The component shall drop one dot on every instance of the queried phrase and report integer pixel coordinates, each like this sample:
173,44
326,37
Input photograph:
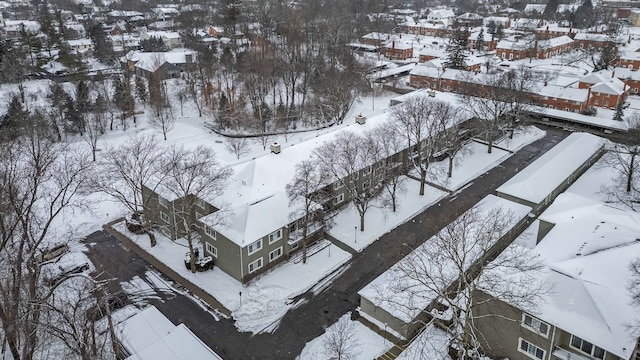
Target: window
275,254
254,266
366,171
210,232
587,347
211,250
162,201
338,199
535,324
365,185
354,176
338,185
198,215
164,217
201,204
252,248
595,101
530,350
275,236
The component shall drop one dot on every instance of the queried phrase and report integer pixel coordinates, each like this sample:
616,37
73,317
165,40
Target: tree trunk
450,171
631,170
362,222
423,179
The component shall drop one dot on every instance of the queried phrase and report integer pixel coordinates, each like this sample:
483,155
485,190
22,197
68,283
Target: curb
194,289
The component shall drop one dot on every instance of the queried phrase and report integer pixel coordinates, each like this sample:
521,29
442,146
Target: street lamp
355,234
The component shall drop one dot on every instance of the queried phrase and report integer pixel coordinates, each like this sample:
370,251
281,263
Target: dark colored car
114,301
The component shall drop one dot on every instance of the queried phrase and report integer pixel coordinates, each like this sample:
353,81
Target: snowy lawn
477,161
367,344
265,300
380,220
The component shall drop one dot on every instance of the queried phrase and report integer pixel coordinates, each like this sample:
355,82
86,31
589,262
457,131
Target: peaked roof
589,250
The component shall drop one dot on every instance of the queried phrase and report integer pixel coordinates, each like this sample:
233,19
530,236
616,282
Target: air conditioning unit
431,93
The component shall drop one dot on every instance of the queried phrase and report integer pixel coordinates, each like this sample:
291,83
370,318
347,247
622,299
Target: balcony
296,236
562,354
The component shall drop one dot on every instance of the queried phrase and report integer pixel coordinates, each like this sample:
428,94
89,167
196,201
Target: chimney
393,44
613,73
547,28
360,119
545,83
275,148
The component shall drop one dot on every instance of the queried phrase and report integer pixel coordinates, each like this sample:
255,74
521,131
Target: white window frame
593,347
355,176
529,345
338,199
201,203
275,236
198,215
366,171
211,250
210,232
257,245
338,185
277,256
163,202
164,217
365,185
253,267
534,324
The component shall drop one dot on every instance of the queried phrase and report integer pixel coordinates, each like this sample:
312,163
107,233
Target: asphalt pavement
316,312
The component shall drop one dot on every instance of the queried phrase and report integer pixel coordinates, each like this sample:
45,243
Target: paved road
308,320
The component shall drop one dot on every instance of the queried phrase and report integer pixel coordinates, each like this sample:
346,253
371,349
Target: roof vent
360,119
275,148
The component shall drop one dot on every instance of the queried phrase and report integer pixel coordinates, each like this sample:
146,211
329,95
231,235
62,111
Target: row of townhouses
264,228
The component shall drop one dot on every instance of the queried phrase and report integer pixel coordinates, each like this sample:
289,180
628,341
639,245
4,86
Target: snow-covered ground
367,343
380,220
258,306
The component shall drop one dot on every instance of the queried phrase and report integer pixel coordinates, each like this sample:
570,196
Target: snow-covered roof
612,86
565,93
407,305
539,8
469,16
539,179
80,42
398,44
589,251
567,7
150,335
555,42
626,73
629,55
151,60
593,37
441,14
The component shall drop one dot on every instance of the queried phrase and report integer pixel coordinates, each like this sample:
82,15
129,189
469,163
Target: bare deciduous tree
95,127
344,158
341,342
238,146
388,144
624,157
418,119
41,179
194,175
125,170
307,192
463,258
163,119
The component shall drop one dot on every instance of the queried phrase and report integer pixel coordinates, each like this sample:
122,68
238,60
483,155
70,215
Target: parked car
204,264
62,272
54,252
114,301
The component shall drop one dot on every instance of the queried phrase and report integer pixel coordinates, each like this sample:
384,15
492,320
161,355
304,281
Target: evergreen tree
102,47
458,47
480,41
75,121
141,90
153,44
123,98
584,15
83,102
619,114
500,31
14,119
491,29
